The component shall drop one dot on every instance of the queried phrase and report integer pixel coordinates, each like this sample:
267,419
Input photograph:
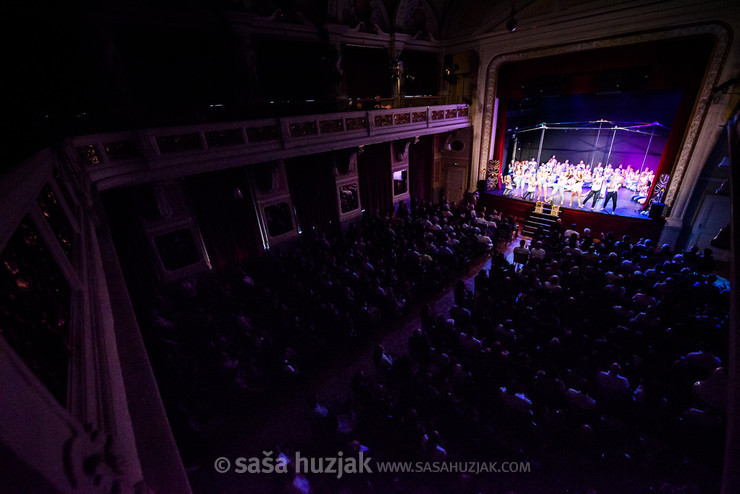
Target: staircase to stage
542,219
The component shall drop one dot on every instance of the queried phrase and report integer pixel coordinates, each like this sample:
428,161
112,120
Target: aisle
287,425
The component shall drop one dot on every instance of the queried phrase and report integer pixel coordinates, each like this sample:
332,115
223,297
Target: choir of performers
551,181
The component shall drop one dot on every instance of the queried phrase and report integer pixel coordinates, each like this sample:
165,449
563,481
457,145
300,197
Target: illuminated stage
625,206
570,151
627,220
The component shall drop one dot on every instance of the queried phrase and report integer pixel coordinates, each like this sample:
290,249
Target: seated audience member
538,253
521,253
515,401
703,360
580,400
612,382
571,231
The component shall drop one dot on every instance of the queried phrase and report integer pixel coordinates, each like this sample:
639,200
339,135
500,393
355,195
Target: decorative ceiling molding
417,18
367,16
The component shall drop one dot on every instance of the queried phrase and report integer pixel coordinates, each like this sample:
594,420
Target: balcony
126,158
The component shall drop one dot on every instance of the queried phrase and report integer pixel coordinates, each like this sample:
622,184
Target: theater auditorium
370,246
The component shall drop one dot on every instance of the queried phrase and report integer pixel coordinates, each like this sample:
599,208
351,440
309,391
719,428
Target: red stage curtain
673,142
421,159
313,190
227,222
374,167
498,151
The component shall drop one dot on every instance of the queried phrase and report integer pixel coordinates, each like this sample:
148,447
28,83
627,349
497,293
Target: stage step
540,221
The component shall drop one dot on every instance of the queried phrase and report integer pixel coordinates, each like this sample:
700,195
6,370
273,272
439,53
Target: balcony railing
120,153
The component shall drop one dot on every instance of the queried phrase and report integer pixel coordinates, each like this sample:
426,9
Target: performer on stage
570,186
630,178
508,185
542,182
587,175
576,188
615,182
531,180
558,188
642,192
518,178
524,180
597,184
550,180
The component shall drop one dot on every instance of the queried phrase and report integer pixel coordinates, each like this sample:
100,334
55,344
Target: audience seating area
604,360
595,356
235,338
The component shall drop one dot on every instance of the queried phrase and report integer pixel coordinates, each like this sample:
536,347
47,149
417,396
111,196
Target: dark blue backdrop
628,147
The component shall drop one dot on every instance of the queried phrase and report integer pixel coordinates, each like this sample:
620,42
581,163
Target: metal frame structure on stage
614,127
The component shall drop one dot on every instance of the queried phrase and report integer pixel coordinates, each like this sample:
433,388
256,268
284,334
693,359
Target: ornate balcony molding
125,158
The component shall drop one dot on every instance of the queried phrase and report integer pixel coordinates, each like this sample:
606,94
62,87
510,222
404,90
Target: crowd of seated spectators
241,336
598,356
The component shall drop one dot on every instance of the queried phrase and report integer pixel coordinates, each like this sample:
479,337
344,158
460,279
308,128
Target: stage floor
625,206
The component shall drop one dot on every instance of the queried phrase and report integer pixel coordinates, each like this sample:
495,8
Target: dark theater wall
421,160
374,167
225,214
313,191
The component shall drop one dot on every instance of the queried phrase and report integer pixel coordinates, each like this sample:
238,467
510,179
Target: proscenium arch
691,146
